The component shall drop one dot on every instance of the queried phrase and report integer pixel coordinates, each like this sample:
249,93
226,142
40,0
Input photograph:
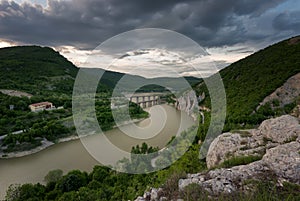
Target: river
72,155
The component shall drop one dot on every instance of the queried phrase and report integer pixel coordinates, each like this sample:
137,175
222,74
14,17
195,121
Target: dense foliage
48,76
103,183
36,70
248,81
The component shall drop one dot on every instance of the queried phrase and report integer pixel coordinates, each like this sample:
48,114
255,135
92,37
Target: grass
291,139
266,140
262,191
265,189
240,160
242,133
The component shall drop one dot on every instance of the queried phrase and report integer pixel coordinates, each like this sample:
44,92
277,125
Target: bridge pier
145,100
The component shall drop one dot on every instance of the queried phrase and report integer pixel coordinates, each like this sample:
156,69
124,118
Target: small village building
36,107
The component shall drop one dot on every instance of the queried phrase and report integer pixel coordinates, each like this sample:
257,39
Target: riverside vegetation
247,83
47,76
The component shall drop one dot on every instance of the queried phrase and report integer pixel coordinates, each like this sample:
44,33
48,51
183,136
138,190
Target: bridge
146,99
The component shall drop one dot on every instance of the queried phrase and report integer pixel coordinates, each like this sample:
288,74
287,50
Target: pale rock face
188,103
224,145
282,160
140,199
286,93
280,129
270,133
276,140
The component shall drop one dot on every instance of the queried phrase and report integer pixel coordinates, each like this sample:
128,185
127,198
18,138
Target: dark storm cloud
254,7
86,23
287,21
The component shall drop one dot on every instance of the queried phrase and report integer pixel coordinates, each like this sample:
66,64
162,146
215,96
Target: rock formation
188,103
285,94
270,133
276,143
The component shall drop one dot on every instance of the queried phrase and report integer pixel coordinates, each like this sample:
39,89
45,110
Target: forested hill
248,81
40,70
110,79
35,69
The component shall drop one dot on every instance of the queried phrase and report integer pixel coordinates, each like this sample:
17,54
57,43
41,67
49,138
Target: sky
228,30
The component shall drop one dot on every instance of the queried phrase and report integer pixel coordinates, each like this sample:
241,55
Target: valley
258,114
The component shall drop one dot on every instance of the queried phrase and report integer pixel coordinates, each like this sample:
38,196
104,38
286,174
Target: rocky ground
273,150
286,93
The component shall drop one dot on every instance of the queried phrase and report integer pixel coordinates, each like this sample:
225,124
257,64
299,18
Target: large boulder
284,160
270,133
276,140
281,162
281,129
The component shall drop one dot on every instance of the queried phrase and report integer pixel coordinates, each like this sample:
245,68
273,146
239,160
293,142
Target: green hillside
35,70
40,70
48,76
110,79
248,81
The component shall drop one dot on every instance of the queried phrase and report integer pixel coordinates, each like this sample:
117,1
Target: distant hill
110,79
40,70
35,69
248,81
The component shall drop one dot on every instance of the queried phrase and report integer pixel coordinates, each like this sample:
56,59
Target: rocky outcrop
153,195
277,141
285,94
270,133
282,162
188,103
281,129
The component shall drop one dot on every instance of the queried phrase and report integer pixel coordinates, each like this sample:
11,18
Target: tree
73,181
53,176
13,192
100,173
144,148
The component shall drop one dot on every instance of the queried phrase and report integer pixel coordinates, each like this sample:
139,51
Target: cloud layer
86,23
228,29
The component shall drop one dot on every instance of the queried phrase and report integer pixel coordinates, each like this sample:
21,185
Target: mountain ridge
248,81
21,67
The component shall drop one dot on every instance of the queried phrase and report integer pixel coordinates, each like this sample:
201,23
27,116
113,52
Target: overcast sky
227,29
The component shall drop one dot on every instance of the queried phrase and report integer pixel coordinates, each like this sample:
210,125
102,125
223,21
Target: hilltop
248,81
35,69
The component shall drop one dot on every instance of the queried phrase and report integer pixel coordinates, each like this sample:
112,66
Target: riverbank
73,155
46,143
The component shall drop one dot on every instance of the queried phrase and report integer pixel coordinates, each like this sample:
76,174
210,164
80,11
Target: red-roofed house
36,107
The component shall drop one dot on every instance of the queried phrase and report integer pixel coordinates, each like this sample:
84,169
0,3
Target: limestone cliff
188,102
285,94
